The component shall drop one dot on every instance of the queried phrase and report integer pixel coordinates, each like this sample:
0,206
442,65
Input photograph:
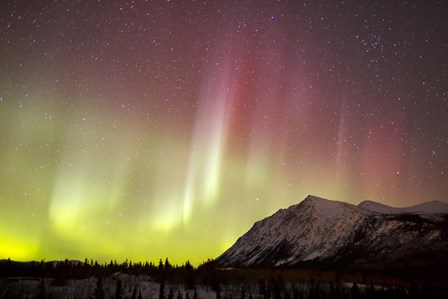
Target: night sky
153,129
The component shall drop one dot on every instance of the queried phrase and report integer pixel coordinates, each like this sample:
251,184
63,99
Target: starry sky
152,129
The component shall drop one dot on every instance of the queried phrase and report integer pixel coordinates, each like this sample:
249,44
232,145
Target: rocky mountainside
331,233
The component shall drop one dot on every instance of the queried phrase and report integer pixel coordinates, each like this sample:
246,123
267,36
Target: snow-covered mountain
338,233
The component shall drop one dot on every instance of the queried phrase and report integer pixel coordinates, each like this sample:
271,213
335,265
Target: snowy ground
143,286
30,288
23,287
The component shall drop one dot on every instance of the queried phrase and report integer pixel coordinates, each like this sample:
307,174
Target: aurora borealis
153,129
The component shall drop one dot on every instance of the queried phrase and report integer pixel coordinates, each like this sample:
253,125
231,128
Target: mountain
432,207
329,233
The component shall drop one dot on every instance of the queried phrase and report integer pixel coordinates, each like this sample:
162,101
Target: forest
135,280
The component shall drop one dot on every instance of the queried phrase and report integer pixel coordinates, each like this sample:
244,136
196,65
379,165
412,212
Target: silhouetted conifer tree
162,290
189,277
42,268
399,293
355,291
195,295
338,293
371,292
276,289
98,293
262,288
243,293
160,271
414,292
134,293
118,290
42,291
311,291
179,295
167,263
170,294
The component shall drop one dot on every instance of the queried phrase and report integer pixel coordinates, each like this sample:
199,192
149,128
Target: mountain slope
328,232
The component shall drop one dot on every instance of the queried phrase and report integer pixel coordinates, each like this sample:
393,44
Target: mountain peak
311,197
319,230
312,200
321,202
327,206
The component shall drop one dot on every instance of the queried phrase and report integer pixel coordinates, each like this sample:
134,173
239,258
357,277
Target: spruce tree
134,293
414,292
42,290
243,293
355,291
189,276
118,290
295,293
162,289
370,291
98,293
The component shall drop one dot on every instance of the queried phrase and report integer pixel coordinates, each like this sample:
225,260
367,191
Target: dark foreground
74,279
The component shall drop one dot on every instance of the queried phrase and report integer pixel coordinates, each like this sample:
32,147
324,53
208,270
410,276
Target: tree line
224,283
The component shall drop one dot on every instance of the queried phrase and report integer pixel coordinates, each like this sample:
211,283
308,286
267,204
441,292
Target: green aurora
143,130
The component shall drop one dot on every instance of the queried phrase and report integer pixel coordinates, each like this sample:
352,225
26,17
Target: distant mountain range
321,232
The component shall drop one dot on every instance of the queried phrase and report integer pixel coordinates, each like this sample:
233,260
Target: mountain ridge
431,207
323,231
